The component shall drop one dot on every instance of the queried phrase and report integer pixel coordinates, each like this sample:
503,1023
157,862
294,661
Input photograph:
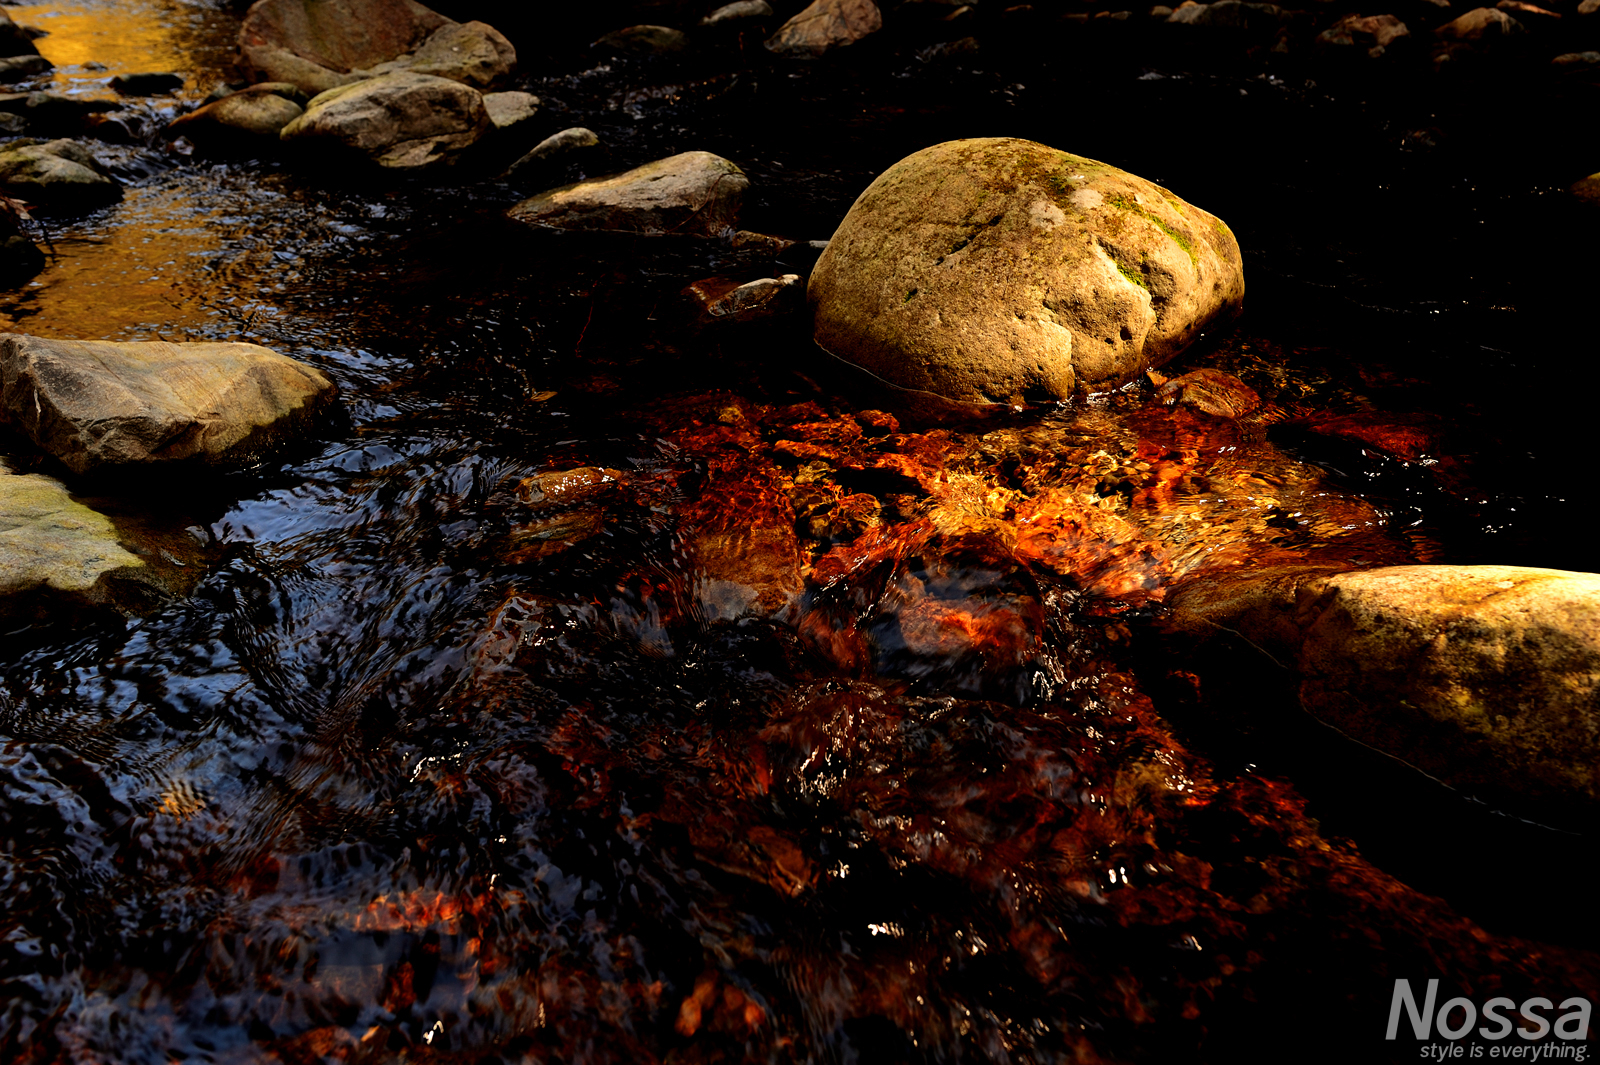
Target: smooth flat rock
695,193
996,269
94,404
825,26
59,174
401,121
508,110
54,551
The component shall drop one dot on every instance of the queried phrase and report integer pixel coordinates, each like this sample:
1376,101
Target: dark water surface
438,762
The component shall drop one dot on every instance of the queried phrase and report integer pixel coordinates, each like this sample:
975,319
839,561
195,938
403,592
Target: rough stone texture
695,193
94,404
400,121
322,44
825,26
1230,15
1374,33
1486,677
646,40
738,11
317,43
1589,7
54,551
1481,24
508,110
1483,676
255,114
992,269
473,53
59,174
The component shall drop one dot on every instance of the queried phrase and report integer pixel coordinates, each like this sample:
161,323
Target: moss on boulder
995,269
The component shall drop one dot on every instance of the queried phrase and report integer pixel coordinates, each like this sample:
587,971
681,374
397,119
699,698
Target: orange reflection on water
125,37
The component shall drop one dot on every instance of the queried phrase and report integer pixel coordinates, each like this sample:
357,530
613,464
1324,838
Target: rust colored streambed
602,691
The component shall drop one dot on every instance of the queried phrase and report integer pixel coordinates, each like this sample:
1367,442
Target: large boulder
321,44
61,174
15,39
1486,677
825,26
54,551
695,193
996,269
95,404
401,121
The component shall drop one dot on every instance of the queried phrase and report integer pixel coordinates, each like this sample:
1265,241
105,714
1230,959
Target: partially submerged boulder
645,40
54,551
95,404
998,269
1486,677
60,174
23,67
321,44
695,193
252,117
825,26
401,121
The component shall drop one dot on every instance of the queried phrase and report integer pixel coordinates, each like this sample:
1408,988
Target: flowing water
800,722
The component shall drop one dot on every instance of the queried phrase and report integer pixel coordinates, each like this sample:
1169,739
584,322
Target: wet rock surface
96,404
62,175
400,121
691,194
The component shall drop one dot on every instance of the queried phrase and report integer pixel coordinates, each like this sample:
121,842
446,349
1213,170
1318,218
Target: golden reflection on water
127,36
157,264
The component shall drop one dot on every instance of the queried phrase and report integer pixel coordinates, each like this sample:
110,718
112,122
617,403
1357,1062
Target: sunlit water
434,763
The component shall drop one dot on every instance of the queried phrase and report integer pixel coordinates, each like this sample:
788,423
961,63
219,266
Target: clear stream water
428,762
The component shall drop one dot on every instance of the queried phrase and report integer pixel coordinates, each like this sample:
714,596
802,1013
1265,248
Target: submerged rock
551,154
321,44
254,116
739,11
94,404
54,552
147,83
695,193
719,300
60,174
646,40
401,121
995,269
825,26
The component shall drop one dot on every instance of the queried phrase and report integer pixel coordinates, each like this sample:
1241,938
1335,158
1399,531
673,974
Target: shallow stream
437,759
